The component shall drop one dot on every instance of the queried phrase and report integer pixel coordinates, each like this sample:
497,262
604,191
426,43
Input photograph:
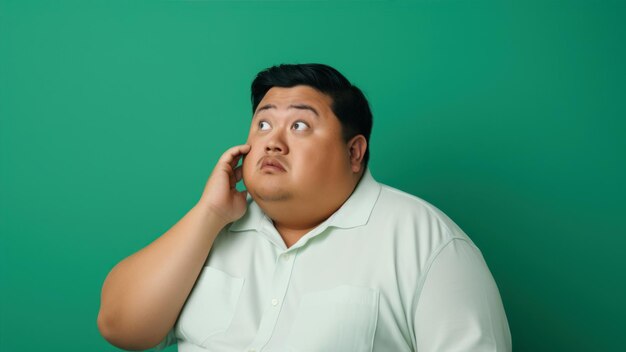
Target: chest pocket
340,319
210,307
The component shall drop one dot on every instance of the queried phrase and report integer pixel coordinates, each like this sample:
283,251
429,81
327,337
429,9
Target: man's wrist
212,214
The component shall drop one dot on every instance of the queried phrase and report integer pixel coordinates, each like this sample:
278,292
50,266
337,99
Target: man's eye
300,126
264,125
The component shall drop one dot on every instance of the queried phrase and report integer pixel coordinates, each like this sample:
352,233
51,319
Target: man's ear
356,148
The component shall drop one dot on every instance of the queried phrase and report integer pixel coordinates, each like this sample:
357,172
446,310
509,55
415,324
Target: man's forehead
298,97
304,107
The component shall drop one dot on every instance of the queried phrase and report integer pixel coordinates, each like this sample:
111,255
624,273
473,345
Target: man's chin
262,194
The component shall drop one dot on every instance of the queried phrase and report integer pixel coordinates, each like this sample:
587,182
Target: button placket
280,283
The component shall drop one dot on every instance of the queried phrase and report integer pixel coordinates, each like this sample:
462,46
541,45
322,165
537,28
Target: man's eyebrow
293,106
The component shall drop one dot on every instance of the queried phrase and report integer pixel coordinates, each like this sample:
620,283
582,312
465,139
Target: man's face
297,150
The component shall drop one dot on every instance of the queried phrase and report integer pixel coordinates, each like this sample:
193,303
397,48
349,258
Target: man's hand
220,195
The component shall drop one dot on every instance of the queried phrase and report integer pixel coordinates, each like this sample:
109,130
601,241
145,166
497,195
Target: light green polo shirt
386,272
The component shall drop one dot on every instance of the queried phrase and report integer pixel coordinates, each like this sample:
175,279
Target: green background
508,116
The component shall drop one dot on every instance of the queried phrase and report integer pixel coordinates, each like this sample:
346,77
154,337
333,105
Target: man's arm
143,294
460,308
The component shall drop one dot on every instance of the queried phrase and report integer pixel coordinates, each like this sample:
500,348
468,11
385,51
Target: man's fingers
238,173
233,154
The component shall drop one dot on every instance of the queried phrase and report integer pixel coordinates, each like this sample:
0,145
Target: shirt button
274,302
286,257
252,350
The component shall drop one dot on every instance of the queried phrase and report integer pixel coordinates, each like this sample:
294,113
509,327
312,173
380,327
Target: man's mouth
272,164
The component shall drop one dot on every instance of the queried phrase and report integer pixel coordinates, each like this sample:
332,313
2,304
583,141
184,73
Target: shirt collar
354,212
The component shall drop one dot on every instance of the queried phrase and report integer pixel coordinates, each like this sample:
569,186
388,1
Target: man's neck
291,236
291,229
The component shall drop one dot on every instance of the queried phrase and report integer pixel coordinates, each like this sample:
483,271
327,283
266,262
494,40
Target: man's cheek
245,161
248,160
246,170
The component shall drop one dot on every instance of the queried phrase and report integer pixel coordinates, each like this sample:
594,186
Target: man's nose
276,144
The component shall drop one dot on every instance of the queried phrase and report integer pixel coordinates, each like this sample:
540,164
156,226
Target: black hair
348,102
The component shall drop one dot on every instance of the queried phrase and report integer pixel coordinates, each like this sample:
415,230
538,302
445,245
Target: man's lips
272,164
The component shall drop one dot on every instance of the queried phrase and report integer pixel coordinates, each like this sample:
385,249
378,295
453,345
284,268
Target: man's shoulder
402,198
394,200
400,206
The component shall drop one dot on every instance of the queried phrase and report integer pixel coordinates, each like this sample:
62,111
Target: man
319,257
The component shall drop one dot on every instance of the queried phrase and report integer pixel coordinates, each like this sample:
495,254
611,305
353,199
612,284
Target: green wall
508,116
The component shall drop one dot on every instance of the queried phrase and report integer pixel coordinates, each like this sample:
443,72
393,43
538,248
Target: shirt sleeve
459,307
169,340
